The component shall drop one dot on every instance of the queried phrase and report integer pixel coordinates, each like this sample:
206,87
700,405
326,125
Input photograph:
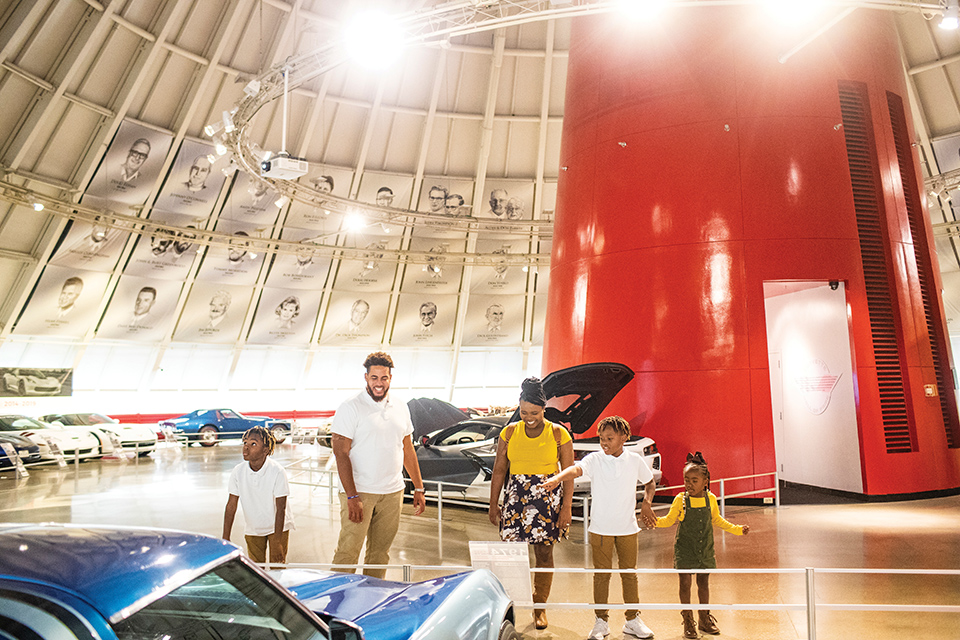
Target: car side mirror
425,441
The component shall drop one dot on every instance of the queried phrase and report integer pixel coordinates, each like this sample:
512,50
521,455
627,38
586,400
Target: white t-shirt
377,430
258,492
613,491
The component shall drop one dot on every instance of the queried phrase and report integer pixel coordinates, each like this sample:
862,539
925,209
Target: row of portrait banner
150,298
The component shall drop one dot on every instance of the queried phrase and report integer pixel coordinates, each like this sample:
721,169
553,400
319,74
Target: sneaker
600,630
636,628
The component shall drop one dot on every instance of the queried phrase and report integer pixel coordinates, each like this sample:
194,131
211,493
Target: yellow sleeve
676,511
720,521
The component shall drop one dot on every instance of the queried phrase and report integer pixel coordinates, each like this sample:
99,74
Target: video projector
283,168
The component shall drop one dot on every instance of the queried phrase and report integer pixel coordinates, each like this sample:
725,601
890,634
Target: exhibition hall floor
186,489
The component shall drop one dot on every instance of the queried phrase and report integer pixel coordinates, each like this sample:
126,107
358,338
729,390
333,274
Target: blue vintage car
210,425
61,581
27,450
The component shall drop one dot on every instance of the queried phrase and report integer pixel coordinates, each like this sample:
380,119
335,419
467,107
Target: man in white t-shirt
372,443
260,486
614,476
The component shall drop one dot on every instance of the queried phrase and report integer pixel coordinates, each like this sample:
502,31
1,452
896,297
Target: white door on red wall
811,382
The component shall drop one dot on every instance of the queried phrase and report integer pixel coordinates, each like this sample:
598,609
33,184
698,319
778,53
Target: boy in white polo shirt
260,486
614,475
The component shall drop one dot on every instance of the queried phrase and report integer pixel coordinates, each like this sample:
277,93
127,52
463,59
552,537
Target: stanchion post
586,519
407,573
76,458
776,488
811,606
439,507
723,499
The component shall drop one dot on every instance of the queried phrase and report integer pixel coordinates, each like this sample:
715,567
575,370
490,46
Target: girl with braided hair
697,512
260,486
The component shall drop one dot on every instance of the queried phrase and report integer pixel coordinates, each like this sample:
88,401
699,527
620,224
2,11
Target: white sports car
80,442
140,438
31,382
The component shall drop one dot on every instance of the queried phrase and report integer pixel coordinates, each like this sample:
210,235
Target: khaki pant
257,548
381,519
603,548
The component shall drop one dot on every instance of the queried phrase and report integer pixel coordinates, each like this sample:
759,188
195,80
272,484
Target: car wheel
208,435
279,433
508,632
22,388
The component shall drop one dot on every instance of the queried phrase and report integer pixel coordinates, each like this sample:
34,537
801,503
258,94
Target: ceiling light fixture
951,16
38,206
228,125
213,128
282,201
373,40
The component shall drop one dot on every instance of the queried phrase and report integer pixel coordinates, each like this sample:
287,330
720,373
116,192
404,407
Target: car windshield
92,418
19,423
231,601
467,433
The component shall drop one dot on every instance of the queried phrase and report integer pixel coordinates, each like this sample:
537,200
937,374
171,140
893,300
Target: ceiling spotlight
220,148
525,268
228,125
252,88
373,40
38,206
354,221
951,16
282,201
641,9
211,158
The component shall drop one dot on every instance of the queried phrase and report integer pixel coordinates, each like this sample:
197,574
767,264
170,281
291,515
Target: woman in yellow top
529,452
697,512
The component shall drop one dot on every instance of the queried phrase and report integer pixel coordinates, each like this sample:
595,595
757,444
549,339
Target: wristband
418,491
356,495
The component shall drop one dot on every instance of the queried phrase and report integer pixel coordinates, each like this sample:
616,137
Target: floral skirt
530,513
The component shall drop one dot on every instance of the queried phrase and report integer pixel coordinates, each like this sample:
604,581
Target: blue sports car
61,581
209,425
27,450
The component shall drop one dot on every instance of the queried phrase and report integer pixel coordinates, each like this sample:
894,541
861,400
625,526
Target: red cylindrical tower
695,166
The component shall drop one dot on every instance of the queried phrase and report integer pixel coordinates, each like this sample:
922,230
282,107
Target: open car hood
429,415
576,396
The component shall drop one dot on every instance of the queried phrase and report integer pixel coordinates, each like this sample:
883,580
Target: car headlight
649,450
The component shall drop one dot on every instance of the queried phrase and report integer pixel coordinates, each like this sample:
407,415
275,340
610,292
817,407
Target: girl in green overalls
697,511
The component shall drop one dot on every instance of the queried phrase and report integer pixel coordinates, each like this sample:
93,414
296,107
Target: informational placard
118,451
14,458
510,562
55,451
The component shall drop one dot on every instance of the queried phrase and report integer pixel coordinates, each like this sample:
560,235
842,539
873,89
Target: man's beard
371,393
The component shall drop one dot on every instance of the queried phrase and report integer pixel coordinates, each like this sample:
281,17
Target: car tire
279,433
508,631
208,435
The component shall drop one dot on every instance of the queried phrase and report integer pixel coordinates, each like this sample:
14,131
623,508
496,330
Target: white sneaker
600,630
636,628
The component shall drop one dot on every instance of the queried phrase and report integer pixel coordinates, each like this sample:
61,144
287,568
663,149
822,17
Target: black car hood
576,396
429,415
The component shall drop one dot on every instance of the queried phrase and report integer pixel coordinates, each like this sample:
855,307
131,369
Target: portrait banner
445,196
307,269
236,264
141,309
251,201
385,190
424,320
434,275
507,200
355,319
90,246
194,182
372,272
493,321
64,303
285,316
500,278
214,313
165,254
131,165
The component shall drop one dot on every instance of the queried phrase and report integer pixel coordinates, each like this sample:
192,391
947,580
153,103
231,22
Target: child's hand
550,483
746,529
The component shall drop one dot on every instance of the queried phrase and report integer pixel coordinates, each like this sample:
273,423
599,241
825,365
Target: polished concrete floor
186,489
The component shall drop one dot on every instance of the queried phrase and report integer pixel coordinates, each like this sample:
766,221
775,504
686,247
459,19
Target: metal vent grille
931,310
861,156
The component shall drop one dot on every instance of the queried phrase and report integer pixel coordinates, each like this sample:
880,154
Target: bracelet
356,495
418,491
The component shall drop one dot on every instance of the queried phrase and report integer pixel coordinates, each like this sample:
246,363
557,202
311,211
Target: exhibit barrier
810,604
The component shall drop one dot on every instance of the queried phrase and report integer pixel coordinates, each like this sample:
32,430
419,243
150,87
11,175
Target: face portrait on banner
355,319
285,316
131,166
500,278
90,246
214,313
494,321
165,254
238,263
385,190
251,201
424,320
508,200
305,269
434,273
140,309
194,182
373,270
64,303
